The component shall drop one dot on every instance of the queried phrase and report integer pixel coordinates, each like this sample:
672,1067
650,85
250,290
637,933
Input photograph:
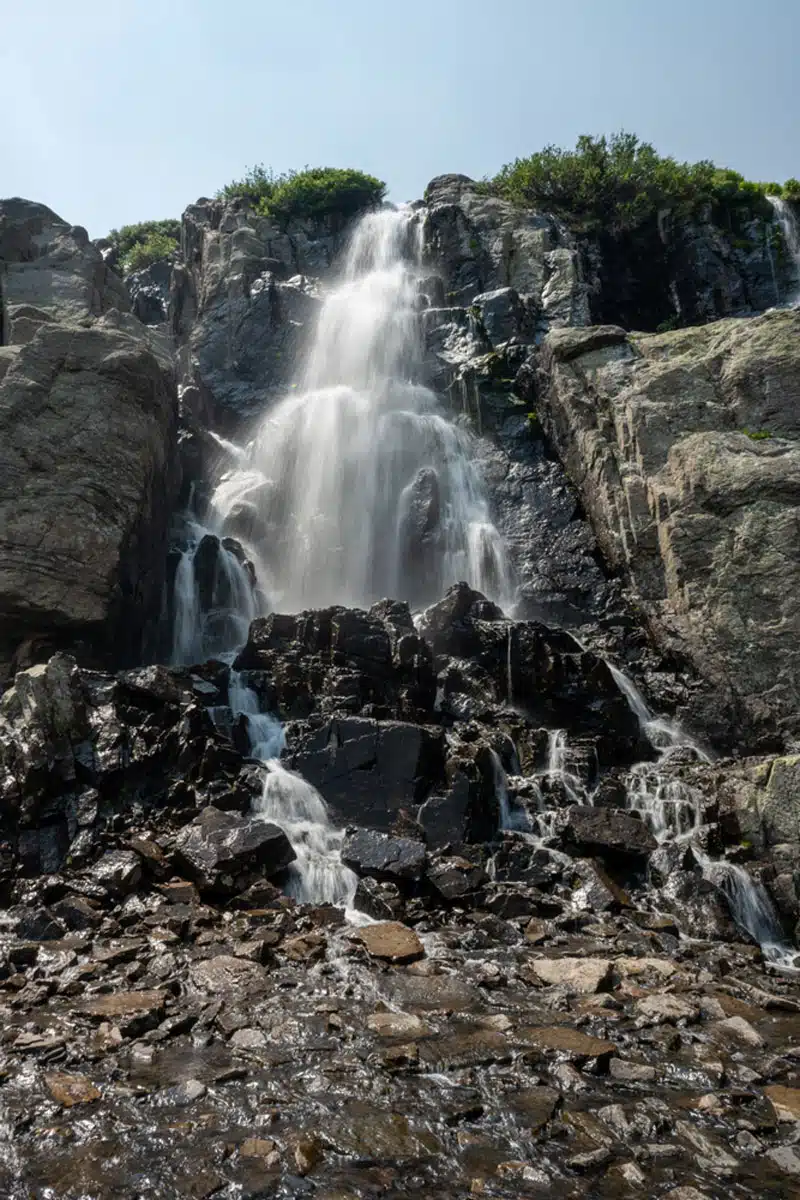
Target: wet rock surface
517,1009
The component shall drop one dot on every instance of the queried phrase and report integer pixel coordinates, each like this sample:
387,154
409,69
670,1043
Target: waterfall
357,486
672,810
786,217
317,876
557,767
511,816
214,597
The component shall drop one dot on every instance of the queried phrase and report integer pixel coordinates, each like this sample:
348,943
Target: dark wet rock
369,771
454,878
607,832
383,901
219,848
119,871
39,925
382,857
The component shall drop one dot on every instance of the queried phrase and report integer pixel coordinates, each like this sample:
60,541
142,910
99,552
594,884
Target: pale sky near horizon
117,111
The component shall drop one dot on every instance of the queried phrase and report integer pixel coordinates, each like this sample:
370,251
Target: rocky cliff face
88,436
684,448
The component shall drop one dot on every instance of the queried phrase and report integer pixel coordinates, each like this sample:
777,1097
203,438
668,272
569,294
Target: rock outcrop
88,450
242,302
684,449
87,482
49,271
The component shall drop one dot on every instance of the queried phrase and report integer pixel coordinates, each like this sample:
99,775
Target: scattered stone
581,975
571,1043
120,871
664,1006
739,1029
394,1024
185,1093
785,1102
392,941
133,1013
308,1153
69,1090
224,976
260,1148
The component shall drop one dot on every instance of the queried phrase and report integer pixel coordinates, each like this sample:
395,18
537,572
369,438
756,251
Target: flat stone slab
392,941
582,975
69,1090
225,975
785,1102
570,1042
393,1024
123,1004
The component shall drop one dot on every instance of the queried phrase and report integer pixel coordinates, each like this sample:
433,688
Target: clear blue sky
121,110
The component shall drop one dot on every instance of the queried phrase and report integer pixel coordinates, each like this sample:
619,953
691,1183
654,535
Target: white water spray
360,487
786,217
672,809
317,876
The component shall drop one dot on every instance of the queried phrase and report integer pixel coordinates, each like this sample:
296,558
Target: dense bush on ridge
334,192
619,183
141,245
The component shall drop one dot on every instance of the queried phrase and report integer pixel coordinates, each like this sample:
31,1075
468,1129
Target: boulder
88,479
382,857
392,941
607,832
218,847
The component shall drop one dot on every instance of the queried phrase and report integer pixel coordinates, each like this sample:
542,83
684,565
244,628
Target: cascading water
358,486
354,488
786,217
317,876
672,810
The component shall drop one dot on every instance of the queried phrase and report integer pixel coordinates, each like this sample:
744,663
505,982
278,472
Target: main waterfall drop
353,488
356,486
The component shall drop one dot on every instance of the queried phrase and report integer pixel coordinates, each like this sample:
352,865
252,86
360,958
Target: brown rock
392,941
307,1154
180,891
132,1012
71,1089
261,1148
663,1006
582,975
785,1101
571,1043
224,975
306,947
393,1024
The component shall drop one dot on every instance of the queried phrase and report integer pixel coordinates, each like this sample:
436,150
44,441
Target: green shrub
791,191
316,192
258,184
138,246
619,183
155,248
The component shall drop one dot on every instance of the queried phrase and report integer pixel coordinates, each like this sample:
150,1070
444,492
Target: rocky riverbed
562,1008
